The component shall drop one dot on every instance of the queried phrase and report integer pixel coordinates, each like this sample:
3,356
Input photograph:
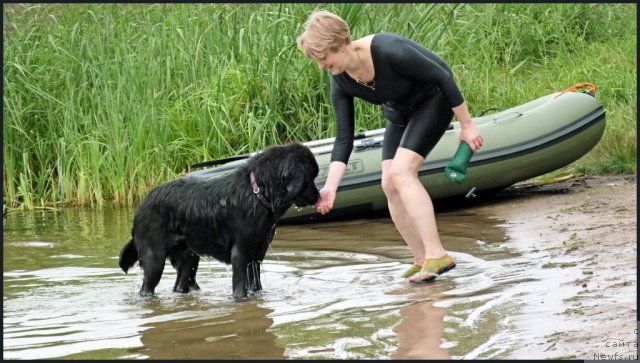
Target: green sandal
414,269
434,268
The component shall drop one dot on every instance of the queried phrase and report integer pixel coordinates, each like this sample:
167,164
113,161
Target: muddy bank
584,231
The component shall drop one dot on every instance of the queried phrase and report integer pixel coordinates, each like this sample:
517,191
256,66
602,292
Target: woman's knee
388,185
400,173
394,177
404,167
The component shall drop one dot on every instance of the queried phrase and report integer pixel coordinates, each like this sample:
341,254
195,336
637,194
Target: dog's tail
128,256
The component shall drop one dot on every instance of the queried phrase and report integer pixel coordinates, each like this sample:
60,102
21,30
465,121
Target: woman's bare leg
410,206
400,217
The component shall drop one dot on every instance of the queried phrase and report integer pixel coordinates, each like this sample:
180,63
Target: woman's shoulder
391,43
389,38
391,46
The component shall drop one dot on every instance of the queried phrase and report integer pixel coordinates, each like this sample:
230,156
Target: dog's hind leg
186,264
152,263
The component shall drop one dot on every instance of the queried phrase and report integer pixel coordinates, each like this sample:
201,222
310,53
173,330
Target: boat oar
222,161
315,143
356,136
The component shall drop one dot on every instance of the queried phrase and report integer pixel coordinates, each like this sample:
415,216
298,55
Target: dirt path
585,230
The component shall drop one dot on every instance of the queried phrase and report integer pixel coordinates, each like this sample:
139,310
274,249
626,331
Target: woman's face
335,62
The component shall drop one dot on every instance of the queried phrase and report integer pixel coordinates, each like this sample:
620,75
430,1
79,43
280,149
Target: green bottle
457,168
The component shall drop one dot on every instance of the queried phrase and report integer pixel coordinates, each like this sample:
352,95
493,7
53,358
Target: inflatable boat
519,143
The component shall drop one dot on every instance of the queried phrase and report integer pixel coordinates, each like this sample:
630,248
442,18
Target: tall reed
104,101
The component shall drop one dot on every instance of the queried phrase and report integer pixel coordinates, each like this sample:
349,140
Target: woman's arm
469,132
344,109
342,147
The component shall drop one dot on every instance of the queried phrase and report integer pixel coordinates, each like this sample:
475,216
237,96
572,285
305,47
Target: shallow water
331,290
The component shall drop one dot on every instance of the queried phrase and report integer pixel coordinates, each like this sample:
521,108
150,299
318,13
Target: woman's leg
410,205
416,216
400,216
392,136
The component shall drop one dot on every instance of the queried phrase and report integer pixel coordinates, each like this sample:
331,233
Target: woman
419,97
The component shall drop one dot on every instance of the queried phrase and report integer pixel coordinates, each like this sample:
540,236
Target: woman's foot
414,269
432,268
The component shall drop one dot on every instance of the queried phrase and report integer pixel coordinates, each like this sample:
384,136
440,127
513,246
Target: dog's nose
313,197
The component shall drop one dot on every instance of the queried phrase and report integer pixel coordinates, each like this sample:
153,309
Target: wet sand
587,226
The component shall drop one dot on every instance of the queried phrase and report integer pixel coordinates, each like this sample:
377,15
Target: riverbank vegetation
103,101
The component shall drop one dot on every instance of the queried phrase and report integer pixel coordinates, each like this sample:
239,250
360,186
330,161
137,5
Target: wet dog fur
221,217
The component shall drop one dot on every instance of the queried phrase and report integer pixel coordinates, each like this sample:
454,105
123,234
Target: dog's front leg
239,267
254,276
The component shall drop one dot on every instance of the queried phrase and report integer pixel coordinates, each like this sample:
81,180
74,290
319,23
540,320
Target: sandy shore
585,230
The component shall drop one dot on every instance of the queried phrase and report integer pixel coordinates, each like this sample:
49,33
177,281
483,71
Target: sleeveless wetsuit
416,89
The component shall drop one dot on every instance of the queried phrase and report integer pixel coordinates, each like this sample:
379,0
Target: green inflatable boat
519,143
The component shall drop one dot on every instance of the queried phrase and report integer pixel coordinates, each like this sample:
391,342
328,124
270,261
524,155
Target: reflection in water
332,291
72,237
238,334
420,332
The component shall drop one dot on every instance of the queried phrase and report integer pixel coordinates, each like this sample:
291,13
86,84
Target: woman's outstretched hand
325,203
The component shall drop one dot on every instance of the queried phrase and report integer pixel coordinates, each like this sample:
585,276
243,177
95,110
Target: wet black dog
231,218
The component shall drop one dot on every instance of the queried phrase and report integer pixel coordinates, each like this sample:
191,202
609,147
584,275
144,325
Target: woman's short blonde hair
323,32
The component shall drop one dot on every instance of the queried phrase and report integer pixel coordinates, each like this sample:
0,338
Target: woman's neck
358,67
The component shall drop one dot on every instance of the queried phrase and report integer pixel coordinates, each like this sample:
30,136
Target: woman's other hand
469,132
472,136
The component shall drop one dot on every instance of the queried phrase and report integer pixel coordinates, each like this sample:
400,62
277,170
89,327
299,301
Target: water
331,291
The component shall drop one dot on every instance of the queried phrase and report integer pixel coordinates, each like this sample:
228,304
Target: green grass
104,101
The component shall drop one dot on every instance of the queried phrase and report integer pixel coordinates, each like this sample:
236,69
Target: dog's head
298,173
288,174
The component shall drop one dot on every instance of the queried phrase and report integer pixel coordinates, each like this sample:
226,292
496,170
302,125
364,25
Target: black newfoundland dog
231,218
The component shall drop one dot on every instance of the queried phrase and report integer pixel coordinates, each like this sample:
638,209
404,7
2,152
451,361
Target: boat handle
495,119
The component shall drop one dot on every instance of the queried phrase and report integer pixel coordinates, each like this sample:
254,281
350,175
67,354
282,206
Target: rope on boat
591,90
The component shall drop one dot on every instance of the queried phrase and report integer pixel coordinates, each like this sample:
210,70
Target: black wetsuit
416,89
